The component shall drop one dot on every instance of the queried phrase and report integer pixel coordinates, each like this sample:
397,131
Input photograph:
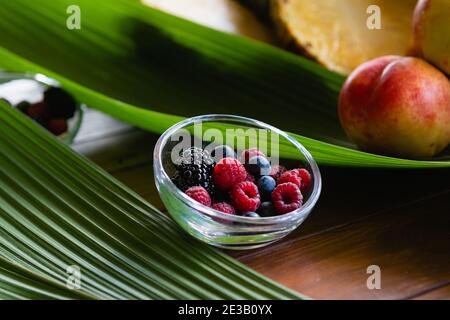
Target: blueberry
23,106
266,209
259,165
266,184
222,151
251,215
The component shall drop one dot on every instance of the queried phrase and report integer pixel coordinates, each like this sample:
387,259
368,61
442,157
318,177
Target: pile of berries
53,111
248,186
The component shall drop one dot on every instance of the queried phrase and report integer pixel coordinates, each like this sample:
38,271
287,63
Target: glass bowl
19,87
214,227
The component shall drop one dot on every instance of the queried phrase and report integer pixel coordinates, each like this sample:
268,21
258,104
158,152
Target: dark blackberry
194,168
61,104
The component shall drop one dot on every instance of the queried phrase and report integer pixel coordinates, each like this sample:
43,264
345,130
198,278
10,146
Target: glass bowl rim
39,77
162,177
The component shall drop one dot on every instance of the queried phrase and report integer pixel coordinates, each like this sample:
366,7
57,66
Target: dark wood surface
397,220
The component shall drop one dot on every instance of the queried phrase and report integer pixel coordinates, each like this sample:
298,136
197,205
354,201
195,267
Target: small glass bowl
18,87
214,227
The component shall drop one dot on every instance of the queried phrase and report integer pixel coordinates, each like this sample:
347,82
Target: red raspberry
199,194
249,153
287,197
224,207
277,171
57,126
306,179
245,196
250,178
290,176
228,172
38,110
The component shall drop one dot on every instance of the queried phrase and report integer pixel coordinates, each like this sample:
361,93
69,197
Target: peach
432,32
397,106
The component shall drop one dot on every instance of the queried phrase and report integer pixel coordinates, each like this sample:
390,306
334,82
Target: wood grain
410,244
441,293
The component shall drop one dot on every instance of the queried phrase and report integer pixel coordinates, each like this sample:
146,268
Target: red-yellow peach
397,106
432,32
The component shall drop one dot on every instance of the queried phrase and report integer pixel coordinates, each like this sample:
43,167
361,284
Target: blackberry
194,168
61,104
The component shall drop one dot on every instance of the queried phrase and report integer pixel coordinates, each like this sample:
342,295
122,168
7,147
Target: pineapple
335,32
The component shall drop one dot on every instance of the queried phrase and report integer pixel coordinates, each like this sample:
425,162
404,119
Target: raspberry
286,198
277,171
38,110
306,179
199,194
250,178
245,196
290,176
224,207
57,126
249,153
228,172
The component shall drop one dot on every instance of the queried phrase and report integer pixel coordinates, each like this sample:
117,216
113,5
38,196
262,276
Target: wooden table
397,220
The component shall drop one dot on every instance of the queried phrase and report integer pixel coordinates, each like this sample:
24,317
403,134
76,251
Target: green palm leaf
127,57
57,210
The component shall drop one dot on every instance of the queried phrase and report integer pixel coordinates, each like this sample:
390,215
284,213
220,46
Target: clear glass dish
214,227
29,87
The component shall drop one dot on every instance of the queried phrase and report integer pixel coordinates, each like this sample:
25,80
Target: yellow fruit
335,32
432,32
224,15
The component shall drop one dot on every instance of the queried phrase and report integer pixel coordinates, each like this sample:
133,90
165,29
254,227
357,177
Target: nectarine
397,106
432,32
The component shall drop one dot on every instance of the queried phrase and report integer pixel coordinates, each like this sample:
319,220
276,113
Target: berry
194,168
247,154
38,111
259,165
251,215
266,185
224,207
57,126
61,104
23,106
290,176
245,196
222,151
250,178
199,194
287,197
266,209
306,179
277,171
228,172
